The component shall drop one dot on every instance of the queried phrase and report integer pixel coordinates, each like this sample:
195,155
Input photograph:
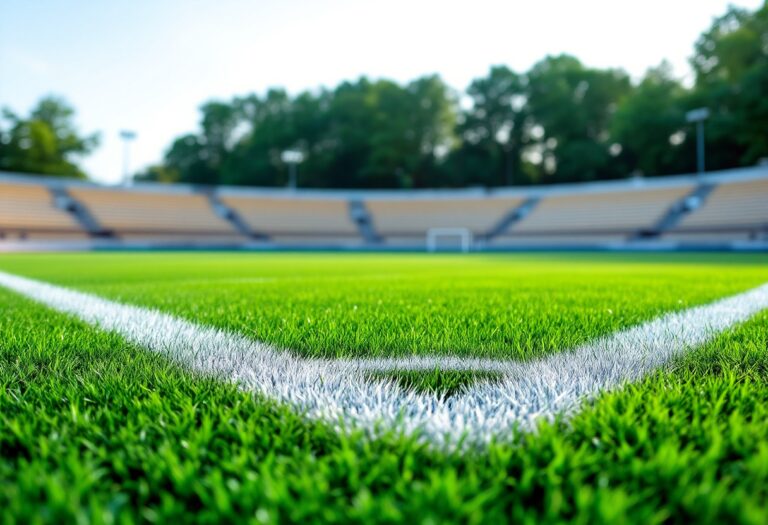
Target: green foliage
731,65
574,105
363,134
95,430
649,125
559,122
157,173
493,131
46,142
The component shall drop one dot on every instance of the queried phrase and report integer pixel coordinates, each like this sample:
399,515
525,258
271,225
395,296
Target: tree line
46,142
560,121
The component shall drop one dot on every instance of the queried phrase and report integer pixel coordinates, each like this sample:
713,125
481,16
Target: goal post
434,235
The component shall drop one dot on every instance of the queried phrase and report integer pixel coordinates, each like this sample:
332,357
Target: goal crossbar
463,234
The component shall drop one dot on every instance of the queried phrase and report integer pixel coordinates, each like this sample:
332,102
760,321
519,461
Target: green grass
370,305
439,382
93,429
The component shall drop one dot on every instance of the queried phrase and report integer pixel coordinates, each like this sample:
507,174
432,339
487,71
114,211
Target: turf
373,305
439,382
93,429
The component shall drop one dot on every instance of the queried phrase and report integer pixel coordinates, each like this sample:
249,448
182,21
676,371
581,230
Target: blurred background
342,95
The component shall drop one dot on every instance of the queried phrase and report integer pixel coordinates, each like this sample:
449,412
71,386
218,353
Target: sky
147,65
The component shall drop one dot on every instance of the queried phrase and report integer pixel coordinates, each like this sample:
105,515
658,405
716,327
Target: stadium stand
407,220
28,211
727,210
167,216
291,220
594,216
734,211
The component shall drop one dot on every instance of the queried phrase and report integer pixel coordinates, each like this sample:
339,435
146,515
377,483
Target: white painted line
426,363
338,392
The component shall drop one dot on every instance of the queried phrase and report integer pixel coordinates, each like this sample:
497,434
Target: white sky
148,65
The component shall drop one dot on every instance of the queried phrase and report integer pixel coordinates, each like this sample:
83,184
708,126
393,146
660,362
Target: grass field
95,428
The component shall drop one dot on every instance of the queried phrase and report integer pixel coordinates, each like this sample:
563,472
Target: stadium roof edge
716,177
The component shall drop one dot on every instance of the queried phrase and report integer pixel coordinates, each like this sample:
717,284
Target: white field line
339,393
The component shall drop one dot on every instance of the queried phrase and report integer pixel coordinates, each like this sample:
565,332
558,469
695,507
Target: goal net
449,239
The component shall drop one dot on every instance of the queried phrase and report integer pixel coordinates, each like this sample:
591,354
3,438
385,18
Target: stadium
716,211
541,299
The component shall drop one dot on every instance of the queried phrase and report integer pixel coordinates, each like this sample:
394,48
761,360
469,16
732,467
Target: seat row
732,211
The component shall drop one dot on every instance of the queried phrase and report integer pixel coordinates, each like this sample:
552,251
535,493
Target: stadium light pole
292,158
127,137
698,116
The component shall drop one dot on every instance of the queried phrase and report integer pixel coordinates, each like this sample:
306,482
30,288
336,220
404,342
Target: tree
559,122
432,129
381,134
199,159
731,66
571,108
189,158
47,142
752,106
268,128
362,134
649,125
157,173
494,130
732,47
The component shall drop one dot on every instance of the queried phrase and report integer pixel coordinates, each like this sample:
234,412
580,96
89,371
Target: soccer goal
453,238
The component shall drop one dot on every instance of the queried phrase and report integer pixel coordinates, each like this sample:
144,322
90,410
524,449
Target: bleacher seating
296,220
27,211
572,240
616,211
612,214
733,211
597,216
408,220
134,214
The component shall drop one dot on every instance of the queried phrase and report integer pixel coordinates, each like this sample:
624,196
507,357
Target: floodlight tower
698,116
292,158
127,137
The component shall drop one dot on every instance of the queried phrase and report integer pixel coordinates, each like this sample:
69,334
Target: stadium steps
691,202
360,215
66,202
515,214
230,215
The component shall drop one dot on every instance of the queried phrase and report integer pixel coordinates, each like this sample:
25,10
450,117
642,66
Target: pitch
97,426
